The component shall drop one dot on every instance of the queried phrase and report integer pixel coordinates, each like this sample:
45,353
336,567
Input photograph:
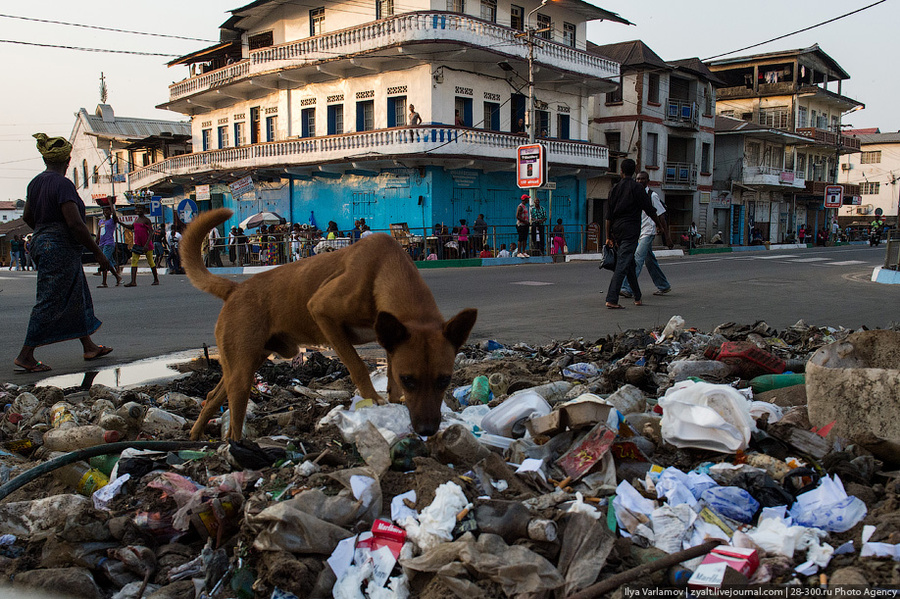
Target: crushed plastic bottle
81,477
62,415
681,370
78,437
481,390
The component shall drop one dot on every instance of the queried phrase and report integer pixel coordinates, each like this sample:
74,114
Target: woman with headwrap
64,309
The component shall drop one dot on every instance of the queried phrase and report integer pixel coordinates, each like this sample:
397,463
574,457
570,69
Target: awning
222,50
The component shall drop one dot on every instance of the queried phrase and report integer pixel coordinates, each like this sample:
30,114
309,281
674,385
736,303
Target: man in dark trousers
623,227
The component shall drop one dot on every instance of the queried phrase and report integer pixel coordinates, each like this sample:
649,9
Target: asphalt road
529,303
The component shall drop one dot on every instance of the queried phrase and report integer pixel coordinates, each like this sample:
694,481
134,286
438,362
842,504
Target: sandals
38,367
614,306
102,350
638,302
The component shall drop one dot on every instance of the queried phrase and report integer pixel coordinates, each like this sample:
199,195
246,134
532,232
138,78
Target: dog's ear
457,329
389,331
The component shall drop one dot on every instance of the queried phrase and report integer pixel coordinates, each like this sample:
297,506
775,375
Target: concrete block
856,383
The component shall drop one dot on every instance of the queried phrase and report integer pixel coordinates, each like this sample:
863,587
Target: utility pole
530,112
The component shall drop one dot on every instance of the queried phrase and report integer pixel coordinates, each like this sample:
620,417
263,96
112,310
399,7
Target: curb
885,276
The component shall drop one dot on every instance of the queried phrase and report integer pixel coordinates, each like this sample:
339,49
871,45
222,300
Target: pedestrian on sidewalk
479,230
644,253
143,230
214,257
538,229
64,309
522,222
14,253
623,226
107,242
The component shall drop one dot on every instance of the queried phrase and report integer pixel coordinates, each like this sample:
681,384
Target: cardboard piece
715,576
583,457
745,561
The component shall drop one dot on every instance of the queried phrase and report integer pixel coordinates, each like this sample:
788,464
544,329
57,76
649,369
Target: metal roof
879,138
633,54
105,123
814,49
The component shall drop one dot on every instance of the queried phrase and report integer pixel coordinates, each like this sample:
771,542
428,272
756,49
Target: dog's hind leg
214,400
240,378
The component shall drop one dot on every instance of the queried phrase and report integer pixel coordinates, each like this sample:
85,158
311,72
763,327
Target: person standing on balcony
459,120
414,118
522,220
623,227
644,252
538,230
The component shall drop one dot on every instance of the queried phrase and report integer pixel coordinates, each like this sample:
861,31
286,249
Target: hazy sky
45,87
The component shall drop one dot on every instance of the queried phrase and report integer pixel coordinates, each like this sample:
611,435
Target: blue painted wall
418,197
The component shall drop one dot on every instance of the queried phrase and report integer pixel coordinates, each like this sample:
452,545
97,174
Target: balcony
844,143
459,146
680,176
817,188
682,113
769,176
417,32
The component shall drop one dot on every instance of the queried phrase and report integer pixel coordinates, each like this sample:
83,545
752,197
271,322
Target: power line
774,39
177,37
88,49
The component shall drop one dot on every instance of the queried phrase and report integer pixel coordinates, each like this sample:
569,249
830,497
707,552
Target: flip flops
39,367
102,350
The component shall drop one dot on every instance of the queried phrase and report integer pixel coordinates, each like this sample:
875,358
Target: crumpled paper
436,522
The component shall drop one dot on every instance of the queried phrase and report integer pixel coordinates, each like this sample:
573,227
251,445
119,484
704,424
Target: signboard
786,177
834,196
549,185
720,199
241,186
127,219
531,166
156,206
169,202
201,192
593,238
187,209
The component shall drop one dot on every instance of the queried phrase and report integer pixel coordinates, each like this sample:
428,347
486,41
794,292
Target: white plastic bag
391,420
706,416
828,507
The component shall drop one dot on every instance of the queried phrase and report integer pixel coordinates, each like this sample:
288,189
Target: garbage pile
674,458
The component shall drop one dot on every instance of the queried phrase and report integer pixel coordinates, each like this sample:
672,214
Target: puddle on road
142,372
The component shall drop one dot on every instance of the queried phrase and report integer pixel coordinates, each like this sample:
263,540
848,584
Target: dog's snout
426,430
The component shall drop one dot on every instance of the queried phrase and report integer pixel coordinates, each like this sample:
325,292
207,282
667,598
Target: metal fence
421,244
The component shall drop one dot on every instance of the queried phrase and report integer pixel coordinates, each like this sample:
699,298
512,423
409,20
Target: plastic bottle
673,327
499,383
552,392
62,415
133,413
517,408
768,382
512,521
158,421
481,390
80,476
104,463
78,437
748,360
681,370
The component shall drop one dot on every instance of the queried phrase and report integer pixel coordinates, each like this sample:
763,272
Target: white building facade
876,170
313,103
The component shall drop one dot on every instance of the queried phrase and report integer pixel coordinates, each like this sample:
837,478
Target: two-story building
395,113
106,147
662,116
753,160
876,170
797,91
10,210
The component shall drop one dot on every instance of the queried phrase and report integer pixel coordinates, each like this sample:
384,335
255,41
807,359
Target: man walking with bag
644,253
623,226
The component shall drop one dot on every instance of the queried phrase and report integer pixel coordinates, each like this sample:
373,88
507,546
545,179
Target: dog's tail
191,260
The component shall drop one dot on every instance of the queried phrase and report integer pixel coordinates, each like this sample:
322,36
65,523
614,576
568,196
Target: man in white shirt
214,258
644,252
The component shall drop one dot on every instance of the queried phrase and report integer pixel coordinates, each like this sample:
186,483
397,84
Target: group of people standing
20,253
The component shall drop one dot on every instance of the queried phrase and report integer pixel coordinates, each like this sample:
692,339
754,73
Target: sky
45,87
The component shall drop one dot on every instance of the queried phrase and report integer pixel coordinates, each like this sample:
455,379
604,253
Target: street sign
549,185
187,209
202,192
156,206
834,196
531,166
242,186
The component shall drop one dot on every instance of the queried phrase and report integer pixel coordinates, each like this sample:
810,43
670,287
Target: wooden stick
614,582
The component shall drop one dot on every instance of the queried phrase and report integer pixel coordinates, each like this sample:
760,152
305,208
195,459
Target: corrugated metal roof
629,54
130,127
879,138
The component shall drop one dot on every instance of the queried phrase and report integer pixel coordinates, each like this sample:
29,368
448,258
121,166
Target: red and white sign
127,219
531,166
834,196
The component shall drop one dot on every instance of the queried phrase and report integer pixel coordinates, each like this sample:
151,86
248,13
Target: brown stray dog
368,291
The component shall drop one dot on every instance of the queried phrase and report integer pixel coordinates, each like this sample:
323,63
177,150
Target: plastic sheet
391,420
828,507
731,502
706,416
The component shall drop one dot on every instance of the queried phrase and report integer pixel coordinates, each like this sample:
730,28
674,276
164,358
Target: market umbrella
262,218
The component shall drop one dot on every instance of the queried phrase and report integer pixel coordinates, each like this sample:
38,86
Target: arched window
75,176
84,173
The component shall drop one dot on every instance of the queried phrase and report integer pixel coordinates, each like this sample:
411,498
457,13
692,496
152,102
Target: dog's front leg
338,340
394,394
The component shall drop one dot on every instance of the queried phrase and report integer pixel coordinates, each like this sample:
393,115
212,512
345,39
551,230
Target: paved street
531,303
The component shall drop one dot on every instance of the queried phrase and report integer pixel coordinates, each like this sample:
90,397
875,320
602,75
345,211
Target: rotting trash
596,474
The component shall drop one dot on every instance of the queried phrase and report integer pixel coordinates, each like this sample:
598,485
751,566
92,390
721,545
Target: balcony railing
773,176
830,138
397,30
312,151
682,113
680,175
817,188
